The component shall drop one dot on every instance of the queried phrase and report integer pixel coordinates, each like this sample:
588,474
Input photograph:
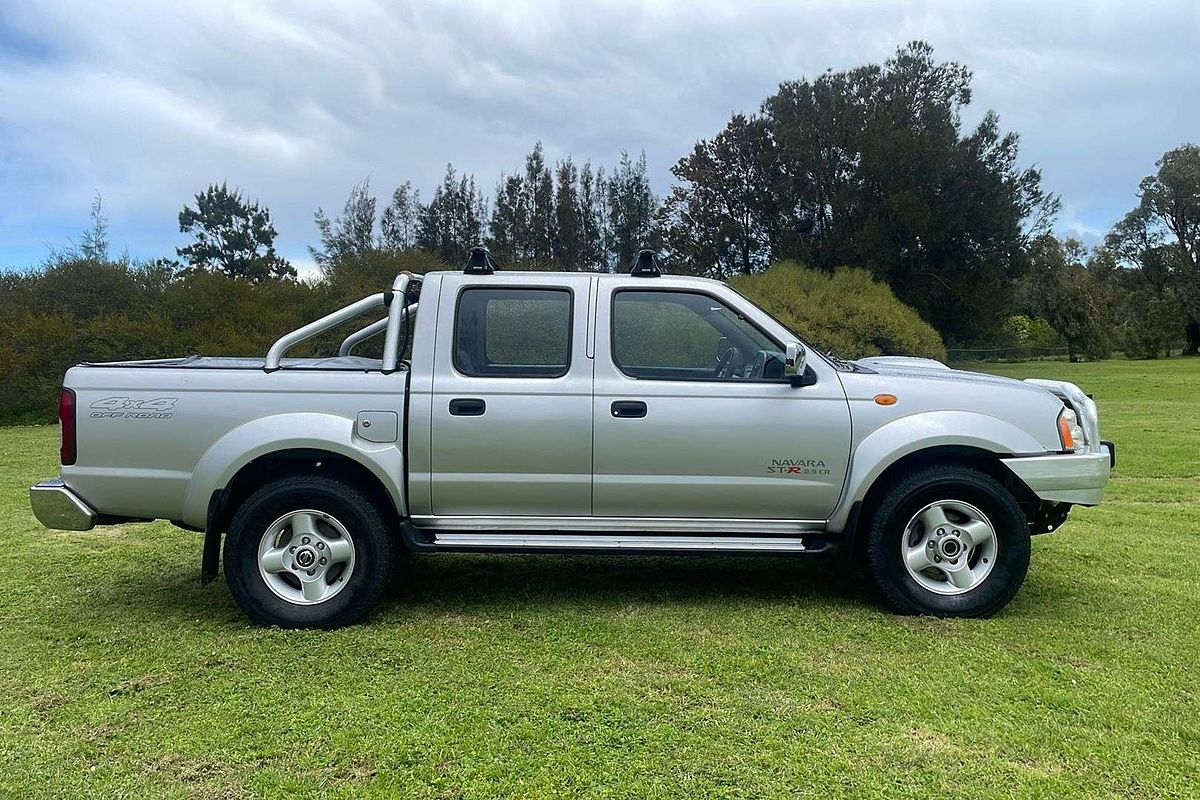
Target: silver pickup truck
569,412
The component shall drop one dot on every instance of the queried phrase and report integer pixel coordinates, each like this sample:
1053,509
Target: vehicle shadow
463,581
466,583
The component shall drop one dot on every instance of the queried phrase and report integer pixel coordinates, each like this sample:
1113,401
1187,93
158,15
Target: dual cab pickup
567,412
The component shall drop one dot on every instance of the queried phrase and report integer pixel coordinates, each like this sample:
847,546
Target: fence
1005,353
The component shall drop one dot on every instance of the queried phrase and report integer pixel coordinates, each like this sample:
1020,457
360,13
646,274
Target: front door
511,427
693,417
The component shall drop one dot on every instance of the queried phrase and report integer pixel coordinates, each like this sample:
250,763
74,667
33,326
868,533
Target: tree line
870,168
563,216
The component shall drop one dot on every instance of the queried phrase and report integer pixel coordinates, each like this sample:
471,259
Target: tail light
66,427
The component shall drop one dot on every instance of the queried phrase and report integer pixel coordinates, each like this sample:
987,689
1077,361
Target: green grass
481,676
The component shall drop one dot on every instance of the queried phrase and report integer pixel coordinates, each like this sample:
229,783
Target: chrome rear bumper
1077,478
58,508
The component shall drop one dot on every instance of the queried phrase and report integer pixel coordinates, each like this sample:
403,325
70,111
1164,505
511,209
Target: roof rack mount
646,265
480,262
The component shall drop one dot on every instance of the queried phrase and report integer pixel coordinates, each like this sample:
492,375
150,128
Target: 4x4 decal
132,408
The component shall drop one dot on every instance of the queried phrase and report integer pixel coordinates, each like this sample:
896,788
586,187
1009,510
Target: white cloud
295,102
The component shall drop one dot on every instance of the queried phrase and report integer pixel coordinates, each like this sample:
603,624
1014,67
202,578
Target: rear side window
513,333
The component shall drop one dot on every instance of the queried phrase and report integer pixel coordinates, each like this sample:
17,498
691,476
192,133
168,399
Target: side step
472,541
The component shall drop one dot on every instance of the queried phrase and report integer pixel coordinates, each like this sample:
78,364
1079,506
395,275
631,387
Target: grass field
483,676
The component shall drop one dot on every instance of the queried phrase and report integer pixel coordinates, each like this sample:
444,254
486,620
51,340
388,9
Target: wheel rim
306,557
949,547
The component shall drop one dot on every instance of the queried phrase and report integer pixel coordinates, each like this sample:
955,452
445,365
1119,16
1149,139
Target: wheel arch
273,466
283,444
927,435
960,437
278,433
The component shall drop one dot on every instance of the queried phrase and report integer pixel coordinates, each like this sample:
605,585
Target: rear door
511,426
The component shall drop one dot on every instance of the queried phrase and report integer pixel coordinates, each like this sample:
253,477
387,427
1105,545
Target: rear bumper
58,508
1077,478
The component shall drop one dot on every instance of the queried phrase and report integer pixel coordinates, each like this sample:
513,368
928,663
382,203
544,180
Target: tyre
949,541
309,551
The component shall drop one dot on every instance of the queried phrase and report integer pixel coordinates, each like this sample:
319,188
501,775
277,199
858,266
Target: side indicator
885,399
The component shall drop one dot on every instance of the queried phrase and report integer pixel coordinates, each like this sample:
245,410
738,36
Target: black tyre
949,541
309,552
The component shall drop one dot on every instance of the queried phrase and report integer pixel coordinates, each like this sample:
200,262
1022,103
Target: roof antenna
646,265
480,262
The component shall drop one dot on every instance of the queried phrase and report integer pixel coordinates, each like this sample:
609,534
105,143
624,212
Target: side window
513,333
688,336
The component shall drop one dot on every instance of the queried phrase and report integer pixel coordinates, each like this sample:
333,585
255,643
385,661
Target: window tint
688,336
517,333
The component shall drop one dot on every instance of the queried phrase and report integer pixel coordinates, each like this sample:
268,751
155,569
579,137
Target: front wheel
949,541
308,552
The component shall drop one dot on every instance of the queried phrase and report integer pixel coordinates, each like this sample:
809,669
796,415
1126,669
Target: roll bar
397,312
374,329
359,336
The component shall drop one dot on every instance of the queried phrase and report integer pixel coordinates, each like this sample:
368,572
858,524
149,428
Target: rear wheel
308,552
949,541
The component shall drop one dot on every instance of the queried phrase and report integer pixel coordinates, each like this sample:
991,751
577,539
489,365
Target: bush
847,311
1032,332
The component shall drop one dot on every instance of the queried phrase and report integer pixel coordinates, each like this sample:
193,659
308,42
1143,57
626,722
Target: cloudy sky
147,102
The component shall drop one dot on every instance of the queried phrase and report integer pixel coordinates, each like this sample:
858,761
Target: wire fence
1006,353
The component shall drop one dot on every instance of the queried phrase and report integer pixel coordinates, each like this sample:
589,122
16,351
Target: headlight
1070,432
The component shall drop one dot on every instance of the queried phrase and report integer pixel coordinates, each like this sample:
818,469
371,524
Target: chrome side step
623,543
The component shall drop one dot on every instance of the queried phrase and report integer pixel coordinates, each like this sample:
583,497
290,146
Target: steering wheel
725,365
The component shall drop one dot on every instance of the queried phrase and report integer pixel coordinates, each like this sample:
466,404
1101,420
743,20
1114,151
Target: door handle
467,407
628,409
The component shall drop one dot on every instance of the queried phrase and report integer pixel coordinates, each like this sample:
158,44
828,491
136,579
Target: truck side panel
164,421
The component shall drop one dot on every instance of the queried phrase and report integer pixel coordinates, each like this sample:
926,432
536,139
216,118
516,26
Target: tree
349,235
509,221
568,249
400,220
723,217
876,170
591,218
631,211
1162,235
232,236
453,221
1059,288
1151,323
94,245
538,191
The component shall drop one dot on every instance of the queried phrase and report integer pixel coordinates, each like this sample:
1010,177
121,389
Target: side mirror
795,364
794,360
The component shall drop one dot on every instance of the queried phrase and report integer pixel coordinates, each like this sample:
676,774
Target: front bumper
58,508
1077,478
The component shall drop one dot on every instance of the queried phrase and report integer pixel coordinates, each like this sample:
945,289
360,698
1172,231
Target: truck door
694,419
511,426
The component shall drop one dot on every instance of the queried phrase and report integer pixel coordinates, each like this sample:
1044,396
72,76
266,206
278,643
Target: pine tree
231,235
568,249
399,221
352,233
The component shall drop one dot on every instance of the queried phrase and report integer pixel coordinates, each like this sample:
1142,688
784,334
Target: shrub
1032,332
846,311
